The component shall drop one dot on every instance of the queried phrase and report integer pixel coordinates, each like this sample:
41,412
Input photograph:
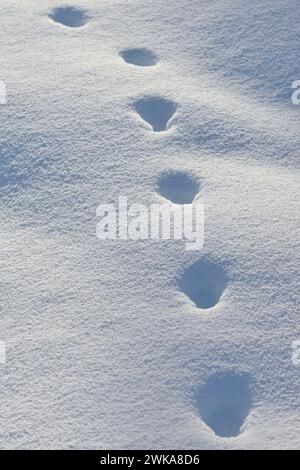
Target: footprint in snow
141,57
224,402
204,283
69,16
156,111
178,186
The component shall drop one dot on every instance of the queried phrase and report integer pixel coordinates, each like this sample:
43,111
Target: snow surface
104,347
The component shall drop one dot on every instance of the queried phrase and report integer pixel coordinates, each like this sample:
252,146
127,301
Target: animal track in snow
69,16
156,111
177,186
142,57
204,283
224,402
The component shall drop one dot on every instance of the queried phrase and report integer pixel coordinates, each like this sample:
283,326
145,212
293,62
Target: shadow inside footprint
69,16
156,111
224,402
142,57
177,186
203,283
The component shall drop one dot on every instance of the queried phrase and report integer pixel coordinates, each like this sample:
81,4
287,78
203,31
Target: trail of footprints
224,401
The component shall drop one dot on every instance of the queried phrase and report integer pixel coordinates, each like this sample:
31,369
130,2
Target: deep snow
115,344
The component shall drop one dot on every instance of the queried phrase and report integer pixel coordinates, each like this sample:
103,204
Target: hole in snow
141,57
69,16
224,402
179,187
203,283
156,111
